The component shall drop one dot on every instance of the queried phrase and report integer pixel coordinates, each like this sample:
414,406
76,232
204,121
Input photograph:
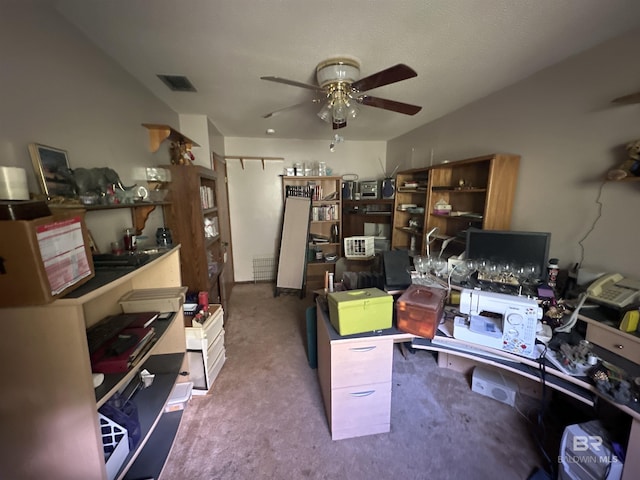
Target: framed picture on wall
51,166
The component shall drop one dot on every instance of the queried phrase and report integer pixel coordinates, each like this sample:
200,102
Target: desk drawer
216,366
361,363
358,410
210,328
197,336
614,341
214,349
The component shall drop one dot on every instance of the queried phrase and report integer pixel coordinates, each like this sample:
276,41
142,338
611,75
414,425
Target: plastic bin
153,300
419,310
115,444
358,311
359,247
124,414
179,397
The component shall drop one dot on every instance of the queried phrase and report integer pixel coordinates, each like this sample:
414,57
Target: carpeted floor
264,417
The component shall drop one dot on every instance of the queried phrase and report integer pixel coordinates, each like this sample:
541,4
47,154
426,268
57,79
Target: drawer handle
362,349
363,394
618,346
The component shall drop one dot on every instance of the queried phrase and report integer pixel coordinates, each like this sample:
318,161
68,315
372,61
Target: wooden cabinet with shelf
326,218
479,190
355,213
192,217
51,413
408,214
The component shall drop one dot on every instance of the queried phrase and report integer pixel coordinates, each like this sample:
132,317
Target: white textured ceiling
462,50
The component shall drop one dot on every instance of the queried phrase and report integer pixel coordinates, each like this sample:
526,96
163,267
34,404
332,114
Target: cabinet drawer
216,366
614,341
208,331
357,409
361,363
214,350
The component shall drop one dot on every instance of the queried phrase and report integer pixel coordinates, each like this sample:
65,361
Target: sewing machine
496,320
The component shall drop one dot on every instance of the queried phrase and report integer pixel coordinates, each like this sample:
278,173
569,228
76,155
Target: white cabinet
205,349
355,380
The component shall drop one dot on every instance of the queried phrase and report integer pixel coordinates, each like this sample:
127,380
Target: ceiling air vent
177,83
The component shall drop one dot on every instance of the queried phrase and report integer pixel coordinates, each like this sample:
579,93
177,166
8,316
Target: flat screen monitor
519,248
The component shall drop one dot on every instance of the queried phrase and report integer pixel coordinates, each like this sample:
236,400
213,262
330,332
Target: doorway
227,277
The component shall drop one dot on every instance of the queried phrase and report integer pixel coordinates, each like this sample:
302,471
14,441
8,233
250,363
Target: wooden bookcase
320,223
192,217
355,213
408,222
483,187
49,414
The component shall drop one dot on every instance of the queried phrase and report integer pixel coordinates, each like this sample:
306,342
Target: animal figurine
96,180
181,154
93,180
631,165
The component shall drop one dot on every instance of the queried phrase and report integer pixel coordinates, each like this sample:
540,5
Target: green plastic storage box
358,311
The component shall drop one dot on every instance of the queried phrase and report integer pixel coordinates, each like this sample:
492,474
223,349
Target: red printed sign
63,253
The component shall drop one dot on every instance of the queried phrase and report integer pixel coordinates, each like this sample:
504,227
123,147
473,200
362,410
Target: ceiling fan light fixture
340,69
339,111
352,108
338,80
325,112
334,141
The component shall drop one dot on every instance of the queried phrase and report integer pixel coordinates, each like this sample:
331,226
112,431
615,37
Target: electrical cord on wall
593,224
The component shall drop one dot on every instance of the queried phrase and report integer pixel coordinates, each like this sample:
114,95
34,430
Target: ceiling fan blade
392,105
293,83
628,99
384,77
290,107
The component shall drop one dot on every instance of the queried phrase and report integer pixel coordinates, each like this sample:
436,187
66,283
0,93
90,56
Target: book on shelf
143,319
142,343
123,351
109,327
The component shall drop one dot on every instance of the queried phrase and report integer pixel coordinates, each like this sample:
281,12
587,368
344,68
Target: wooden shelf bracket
263,159
159,133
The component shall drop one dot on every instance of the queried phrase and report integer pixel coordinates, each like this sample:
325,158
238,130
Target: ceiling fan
628,99
342,90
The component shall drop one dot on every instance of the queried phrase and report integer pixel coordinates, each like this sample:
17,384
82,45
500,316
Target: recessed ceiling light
270,131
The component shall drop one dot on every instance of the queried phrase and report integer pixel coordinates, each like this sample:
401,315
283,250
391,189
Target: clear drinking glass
533,272
420,263
439,267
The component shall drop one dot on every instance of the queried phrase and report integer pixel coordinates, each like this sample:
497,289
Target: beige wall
569,134
255,194
59,90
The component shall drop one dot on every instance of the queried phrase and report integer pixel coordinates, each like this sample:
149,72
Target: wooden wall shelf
159,133
139,211
262,159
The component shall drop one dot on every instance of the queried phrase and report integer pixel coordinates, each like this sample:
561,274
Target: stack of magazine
118,351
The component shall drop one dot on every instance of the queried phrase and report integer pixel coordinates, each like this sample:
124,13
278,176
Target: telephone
614,290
